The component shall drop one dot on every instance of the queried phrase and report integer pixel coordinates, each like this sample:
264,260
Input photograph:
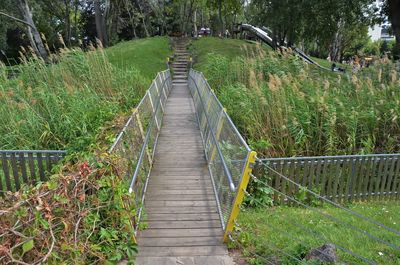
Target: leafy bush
78,217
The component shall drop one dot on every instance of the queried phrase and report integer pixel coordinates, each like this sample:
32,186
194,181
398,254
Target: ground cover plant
62,106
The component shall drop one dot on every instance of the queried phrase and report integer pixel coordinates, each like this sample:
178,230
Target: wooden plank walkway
183,222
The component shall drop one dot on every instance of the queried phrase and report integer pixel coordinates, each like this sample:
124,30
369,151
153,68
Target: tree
32,31
392,10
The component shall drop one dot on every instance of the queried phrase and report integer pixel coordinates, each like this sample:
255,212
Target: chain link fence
226,151
136,143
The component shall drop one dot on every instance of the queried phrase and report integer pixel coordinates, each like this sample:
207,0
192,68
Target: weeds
63,105
287,108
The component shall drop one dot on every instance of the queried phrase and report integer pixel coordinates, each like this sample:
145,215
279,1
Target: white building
380,32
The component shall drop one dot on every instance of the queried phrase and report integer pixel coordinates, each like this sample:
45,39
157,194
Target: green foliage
64,105
84,219
285,107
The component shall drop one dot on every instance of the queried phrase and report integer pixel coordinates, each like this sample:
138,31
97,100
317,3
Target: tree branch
16,19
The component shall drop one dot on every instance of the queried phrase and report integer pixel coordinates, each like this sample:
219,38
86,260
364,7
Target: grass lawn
230,48
148,55
298,230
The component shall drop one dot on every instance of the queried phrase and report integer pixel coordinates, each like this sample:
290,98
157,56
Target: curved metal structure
265,35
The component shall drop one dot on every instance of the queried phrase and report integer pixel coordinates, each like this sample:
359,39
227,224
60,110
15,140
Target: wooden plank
48,163
372,176
180,241
396,181
173,174
329,179
14,167
366,177
32,168
385,175
22,164
382,162
196,260
184,189
150,203
173,197
180,182
6,171
184,224
217,232
390,179
344,168
182,251
336,181
2,178
324,176
200,209
40,166
182,216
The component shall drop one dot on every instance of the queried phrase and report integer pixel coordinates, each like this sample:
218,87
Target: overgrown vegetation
294,230
82,215
285,107
64,105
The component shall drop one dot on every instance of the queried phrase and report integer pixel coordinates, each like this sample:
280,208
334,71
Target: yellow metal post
240,194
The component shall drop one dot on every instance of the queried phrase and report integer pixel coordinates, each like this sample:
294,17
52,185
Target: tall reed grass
286,108
64,105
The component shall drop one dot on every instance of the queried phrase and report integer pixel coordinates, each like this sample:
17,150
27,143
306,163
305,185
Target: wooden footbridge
191,170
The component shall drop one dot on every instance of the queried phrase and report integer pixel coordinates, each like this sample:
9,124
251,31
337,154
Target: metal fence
135,144
18,167
227,154
338,178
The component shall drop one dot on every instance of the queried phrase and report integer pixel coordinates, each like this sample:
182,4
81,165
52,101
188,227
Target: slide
265,35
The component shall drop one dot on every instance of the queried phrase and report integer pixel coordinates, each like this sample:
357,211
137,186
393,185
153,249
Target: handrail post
251,159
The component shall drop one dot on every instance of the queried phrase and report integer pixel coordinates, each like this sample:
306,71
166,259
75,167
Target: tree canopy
323,28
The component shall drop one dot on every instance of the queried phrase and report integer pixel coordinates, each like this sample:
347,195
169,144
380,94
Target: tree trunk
195,23
394,16
76,18
146,31
336,47
33,34
67,23
104,22
221,23
99,22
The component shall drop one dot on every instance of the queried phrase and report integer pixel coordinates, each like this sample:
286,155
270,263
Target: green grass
264,231
328,64
148,55
285,107
65,105
229,48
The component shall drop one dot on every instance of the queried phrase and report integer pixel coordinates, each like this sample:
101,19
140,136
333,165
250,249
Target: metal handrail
145,143
226,169
233,126
326,157
129,121
34,151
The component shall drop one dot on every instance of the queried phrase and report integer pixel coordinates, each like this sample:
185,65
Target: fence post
251,159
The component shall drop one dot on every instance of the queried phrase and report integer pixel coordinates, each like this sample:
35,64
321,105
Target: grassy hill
290,108
64,105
